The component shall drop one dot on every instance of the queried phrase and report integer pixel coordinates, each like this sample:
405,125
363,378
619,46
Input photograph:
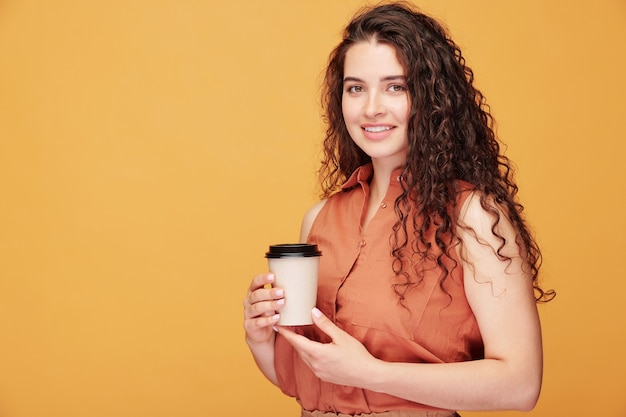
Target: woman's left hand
343,361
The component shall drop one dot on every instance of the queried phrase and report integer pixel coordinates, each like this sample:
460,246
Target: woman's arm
500,294
260,315
262,309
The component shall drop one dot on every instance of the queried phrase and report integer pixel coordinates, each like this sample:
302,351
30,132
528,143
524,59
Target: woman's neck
379,185
381,178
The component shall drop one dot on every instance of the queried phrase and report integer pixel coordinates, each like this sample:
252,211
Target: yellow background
150,150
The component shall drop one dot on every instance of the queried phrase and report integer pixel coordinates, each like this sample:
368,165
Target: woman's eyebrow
393,78
386,78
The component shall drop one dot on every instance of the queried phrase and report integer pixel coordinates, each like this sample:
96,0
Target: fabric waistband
395,413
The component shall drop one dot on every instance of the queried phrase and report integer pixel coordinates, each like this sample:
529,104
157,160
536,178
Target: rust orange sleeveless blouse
355,291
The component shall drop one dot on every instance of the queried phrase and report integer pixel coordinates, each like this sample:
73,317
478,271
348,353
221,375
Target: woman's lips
377,132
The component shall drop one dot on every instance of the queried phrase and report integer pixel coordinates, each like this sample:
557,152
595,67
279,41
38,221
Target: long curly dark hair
450,135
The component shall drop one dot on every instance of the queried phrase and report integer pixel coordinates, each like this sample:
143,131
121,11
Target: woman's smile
375,102
377,132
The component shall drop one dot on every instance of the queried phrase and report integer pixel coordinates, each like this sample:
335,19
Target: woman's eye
355,89
397,88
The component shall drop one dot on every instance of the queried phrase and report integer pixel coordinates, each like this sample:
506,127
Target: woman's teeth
377,128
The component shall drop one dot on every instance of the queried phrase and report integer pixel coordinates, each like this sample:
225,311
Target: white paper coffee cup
295,268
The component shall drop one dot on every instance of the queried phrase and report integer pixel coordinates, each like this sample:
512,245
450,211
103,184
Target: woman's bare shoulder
309,218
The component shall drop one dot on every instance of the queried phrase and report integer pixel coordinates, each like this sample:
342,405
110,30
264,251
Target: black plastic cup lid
286,250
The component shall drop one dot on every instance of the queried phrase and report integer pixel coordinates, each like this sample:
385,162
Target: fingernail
270,277
316,312
280,293
280,302
275,329
275,317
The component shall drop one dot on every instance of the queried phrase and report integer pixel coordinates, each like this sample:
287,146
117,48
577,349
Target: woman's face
375,102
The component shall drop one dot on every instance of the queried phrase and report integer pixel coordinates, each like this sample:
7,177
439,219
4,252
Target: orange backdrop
150,150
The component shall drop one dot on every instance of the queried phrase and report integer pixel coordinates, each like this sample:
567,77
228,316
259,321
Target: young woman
428,279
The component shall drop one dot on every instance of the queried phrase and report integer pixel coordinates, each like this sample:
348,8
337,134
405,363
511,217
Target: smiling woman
145,146
428,281
375,102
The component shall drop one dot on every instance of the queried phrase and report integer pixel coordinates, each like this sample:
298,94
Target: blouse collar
363,175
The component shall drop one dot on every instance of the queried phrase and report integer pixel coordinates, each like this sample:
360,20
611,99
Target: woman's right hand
260,308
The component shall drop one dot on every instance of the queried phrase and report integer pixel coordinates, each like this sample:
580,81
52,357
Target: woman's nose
374,106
